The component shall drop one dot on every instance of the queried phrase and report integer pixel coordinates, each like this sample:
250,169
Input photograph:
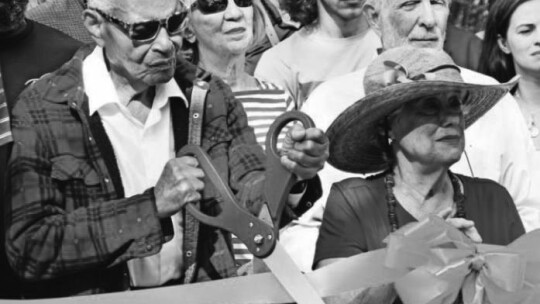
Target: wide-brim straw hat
396,77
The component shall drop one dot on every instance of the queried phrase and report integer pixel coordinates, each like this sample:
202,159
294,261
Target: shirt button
74,104
149,247
106,180
90,138
188,253
139,220
195,115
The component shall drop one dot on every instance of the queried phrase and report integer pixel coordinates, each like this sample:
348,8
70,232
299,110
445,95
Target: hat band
396,73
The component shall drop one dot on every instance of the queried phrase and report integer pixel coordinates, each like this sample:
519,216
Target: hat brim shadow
354,138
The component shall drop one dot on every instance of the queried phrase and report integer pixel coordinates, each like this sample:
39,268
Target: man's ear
94,24
372,16
503,45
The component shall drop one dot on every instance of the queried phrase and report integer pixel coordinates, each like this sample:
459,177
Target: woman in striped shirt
224,32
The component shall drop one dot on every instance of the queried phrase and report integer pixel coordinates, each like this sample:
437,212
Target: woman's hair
304,11
259,24
493,61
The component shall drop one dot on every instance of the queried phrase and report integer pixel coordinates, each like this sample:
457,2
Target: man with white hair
96,191
496,145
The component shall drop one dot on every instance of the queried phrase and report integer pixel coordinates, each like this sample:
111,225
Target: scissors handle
258,236
279,180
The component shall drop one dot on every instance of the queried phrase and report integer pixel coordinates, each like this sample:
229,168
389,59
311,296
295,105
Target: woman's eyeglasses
217,6
148,30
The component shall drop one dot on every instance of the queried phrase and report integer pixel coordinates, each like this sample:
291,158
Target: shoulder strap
191,225
268,24
196,111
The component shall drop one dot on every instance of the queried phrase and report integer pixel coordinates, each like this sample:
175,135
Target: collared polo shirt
141,150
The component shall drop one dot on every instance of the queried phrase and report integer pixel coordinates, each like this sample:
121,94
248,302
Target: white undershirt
141,150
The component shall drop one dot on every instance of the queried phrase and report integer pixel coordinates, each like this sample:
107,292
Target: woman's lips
236,30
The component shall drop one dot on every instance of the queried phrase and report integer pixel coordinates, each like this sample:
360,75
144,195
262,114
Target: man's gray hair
377,4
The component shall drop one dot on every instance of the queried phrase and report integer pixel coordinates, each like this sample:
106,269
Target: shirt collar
101,91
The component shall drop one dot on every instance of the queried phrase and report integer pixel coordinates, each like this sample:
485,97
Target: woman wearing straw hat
410,129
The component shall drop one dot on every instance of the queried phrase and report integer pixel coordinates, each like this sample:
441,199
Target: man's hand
179,183
304,151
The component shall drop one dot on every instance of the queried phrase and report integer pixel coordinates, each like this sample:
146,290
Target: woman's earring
390,141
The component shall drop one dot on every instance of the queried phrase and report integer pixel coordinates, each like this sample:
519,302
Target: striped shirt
5,128
262,107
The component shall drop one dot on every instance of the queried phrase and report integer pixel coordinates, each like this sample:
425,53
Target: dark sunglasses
148,30
217,6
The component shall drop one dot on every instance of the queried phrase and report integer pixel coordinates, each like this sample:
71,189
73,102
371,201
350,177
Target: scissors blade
286,272
290,277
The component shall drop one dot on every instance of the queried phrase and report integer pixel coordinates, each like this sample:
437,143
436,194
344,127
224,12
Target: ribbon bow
396,73
443,261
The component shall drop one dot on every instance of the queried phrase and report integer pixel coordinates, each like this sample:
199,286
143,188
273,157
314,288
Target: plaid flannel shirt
70,229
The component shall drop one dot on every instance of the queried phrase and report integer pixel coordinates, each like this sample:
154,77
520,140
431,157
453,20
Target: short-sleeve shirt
356,216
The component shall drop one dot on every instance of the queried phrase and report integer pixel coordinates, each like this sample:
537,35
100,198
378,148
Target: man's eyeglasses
148,30
216,6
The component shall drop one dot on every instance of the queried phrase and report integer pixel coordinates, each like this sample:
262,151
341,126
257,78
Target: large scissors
260,234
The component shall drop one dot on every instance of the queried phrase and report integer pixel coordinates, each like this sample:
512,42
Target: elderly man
332,29
27,51
496,144
96,189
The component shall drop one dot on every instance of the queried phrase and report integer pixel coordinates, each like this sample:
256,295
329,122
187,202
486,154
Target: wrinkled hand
179,183
464,225
304,151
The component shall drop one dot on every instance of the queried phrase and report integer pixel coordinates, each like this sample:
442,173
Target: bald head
402,22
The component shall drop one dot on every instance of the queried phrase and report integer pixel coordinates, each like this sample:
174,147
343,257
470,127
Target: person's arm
514,223
51,232
63,214
341,236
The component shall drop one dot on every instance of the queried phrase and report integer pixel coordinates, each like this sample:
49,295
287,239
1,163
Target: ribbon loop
442,261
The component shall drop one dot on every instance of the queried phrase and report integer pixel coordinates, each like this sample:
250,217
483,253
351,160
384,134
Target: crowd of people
413,116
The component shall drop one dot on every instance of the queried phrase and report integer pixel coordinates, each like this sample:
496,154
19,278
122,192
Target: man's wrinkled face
11,13
419,23
144,63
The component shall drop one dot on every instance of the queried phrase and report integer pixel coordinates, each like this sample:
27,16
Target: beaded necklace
391,201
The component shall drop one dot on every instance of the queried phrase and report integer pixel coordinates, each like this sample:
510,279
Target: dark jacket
71,229
463,46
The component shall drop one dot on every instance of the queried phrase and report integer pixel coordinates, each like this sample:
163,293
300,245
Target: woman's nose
233,12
